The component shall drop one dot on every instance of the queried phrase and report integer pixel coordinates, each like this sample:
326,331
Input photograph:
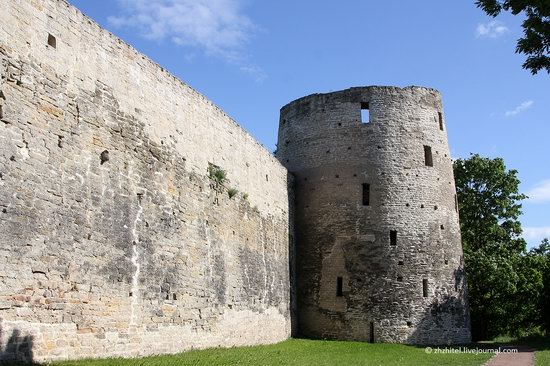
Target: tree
536,29
489,202
543,253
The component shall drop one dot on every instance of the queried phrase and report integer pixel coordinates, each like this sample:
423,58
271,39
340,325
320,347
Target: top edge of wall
166,72
358,88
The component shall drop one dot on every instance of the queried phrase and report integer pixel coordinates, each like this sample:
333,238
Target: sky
251,57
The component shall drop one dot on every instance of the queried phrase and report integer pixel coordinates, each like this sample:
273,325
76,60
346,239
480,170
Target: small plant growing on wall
245,196
218,176
232,192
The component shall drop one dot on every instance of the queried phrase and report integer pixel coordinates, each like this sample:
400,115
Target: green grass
541,345
543,358
301,352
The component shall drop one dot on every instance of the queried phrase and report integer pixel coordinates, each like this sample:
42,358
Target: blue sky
252,57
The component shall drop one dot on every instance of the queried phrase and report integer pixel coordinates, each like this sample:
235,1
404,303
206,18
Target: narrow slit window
371,333
366,194
425,287
52,42
440,116
393,237
365,115
428,159
339,286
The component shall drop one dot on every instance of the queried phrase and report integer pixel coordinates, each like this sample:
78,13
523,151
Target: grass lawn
301,352
543,358
541,345
542,348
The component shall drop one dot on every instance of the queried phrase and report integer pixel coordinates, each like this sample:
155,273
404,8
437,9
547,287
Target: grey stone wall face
114,241
331,153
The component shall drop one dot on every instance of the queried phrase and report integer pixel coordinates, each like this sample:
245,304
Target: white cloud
540,193
255,71
520,108
217,27
493,29
536,233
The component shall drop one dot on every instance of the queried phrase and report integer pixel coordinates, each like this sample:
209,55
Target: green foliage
497,265
543,252
232,192
536,29
245,196
303,352
217,174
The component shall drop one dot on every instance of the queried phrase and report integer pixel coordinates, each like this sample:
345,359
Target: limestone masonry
120,237
378,250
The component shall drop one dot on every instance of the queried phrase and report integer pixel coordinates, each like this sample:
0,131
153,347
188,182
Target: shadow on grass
535,342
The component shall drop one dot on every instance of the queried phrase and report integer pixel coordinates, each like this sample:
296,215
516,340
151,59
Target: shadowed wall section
114,241
378,251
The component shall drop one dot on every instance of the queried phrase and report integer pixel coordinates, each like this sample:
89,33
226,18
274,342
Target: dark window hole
52,42
393,237
339,286
425,287
104,157
366,194
365,117
428,158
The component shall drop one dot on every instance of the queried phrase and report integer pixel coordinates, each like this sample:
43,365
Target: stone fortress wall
114,241
378,250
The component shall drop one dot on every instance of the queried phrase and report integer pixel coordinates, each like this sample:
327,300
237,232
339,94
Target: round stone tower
378,255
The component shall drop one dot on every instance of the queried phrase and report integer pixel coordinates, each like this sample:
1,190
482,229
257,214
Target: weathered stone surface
113,240
323,141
